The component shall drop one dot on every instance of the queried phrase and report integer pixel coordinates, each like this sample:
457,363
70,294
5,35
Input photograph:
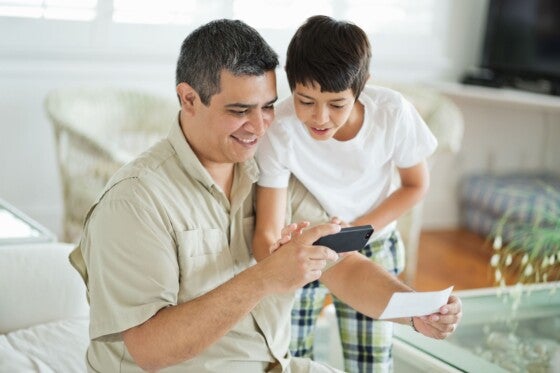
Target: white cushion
38,285
54,347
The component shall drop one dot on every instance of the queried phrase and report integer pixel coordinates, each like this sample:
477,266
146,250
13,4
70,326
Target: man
166,250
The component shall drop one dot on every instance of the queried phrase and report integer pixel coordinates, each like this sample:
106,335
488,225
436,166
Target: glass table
16,227
516,329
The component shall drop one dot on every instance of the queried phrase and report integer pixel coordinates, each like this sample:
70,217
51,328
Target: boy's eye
337,106
306,102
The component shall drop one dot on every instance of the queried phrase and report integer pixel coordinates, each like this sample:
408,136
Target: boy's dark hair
335,54
218,45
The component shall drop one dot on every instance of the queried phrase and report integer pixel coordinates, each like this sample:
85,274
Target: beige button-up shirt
163,233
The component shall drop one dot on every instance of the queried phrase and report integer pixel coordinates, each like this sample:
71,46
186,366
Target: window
406,35
154,12
279,14
394,17
76,10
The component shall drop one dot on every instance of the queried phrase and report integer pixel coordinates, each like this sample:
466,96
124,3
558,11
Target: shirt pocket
204,260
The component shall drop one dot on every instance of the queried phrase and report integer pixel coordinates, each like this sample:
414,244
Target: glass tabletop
514,329
16,227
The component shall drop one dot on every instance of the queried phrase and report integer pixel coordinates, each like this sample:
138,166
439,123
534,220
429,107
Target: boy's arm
415,181
270,219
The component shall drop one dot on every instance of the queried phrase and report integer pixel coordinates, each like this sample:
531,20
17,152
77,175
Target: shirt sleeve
132,263
271,156
415,142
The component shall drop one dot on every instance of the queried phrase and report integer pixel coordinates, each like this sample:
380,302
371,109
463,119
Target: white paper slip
415,303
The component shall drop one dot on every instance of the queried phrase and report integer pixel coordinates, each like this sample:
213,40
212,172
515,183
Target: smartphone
348,239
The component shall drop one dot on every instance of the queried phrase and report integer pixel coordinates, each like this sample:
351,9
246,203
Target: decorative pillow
525,197
38,285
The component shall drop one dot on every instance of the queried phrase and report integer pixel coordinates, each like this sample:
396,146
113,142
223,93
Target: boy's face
327,114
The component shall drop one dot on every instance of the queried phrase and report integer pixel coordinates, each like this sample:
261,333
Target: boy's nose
321,115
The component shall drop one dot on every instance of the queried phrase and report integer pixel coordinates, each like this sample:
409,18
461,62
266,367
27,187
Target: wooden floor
453,257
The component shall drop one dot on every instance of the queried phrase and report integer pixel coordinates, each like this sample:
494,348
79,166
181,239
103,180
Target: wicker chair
97,130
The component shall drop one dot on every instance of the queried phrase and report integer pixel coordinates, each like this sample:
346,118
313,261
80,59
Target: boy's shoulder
382,95
285,115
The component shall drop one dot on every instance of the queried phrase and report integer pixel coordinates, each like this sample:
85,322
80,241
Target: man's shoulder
147,163
134,180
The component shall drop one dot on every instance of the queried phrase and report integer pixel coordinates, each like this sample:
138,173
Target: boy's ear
187,96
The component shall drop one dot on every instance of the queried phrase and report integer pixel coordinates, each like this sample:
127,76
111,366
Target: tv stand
487,78
484,78
505,96
542,86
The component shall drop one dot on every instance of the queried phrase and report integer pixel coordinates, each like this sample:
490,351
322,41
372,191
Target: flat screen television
522,44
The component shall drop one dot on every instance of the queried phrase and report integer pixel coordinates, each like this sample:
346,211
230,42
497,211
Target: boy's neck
353,125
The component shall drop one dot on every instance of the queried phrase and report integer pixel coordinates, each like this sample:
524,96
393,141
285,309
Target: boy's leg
308,303
367,343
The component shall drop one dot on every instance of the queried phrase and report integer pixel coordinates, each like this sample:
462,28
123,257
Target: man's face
236,118
323,113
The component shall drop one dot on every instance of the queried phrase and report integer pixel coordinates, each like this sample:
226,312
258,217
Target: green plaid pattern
366,343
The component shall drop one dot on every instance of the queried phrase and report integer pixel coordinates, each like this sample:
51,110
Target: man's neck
222,174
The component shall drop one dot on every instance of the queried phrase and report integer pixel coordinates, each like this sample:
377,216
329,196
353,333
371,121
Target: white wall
505,131
36,58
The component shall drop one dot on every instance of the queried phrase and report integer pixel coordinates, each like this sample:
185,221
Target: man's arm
415,182
181,332
271,216
367,287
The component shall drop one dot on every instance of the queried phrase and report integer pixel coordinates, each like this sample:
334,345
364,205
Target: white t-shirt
349,178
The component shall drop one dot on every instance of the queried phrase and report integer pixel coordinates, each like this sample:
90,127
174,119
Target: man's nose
258,123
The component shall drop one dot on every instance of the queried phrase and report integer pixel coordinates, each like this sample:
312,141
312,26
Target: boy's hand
336,220
289,232
343,224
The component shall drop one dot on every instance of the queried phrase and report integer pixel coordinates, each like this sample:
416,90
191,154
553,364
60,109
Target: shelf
503,96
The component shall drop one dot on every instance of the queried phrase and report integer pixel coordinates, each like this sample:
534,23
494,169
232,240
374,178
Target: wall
35,59
505,131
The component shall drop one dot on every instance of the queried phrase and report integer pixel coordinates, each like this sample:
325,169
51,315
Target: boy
342,140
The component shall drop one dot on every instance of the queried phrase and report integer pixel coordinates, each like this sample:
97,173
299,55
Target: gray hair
222,44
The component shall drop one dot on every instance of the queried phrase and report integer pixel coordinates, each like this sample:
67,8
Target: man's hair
335,54
222,44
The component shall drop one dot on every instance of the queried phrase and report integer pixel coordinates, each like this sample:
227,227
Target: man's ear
187,96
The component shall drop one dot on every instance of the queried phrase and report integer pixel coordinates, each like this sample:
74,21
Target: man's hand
442,324
289,231
296,261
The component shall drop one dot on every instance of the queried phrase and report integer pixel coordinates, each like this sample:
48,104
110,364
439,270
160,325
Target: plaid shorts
366,343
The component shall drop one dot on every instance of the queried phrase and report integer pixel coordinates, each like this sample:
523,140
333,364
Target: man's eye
238,112
269,107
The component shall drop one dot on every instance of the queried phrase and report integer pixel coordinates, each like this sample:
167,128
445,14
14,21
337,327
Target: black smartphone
348,239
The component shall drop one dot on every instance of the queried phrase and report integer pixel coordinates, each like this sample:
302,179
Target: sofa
43,310
44,313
